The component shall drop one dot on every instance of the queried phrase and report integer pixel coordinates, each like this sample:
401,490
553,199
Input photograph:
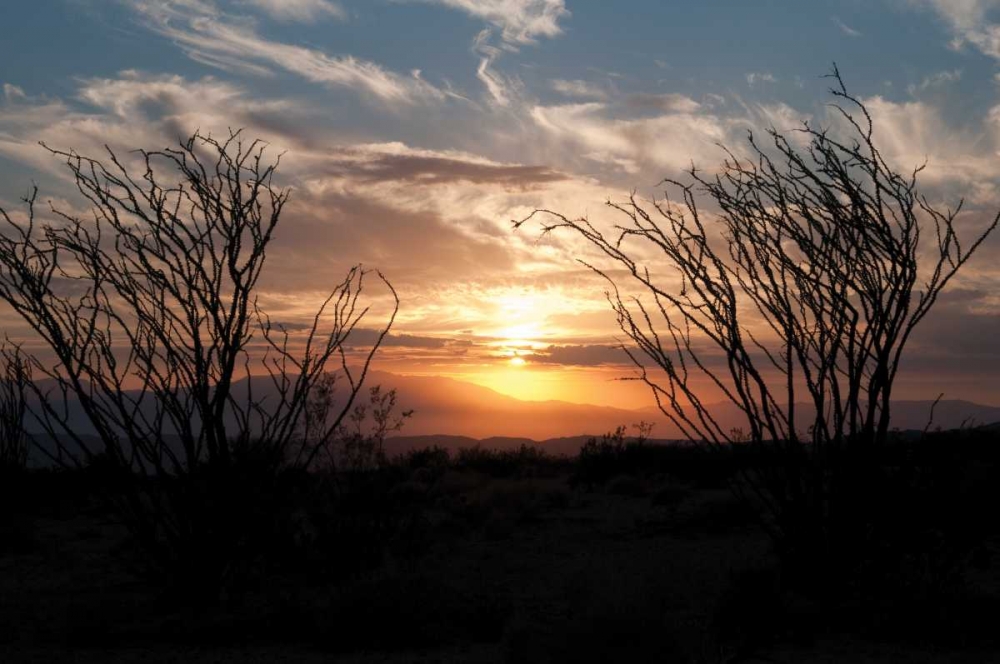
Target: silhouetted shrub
168,264
429,457
600,460
804,283
15,376
526,461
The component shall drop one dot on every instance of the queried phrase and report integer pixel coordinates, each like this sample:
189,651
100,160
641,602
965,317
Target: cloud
520,21
670,140
135,95
581,355
577,88
502,89
671,102
624,136
957,341
846,29
397,162
12,92
366,337
960,160
970,22
753,78
430,218
302,11
935,80
213,37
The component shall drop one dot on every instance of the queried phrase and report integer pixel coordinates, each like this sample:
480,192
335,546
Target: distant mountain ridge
449,407
453,407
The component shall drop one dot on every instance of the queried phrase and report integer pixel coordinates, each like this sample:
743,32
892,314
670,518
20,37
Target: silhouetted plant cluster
836,258
615,455
15,377
148,308
612,455
430,459
361,437
524,461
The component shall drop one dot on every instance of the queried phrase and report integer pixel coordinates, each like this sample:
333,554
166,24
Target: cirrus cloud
520,21
970,22
299,10
214,37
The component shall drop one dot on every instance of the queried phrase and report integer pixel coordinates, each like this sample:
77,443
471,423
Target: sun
517,361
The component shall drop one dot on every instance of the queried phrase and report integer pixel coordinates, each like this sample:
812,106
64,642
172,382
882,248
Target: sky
413,131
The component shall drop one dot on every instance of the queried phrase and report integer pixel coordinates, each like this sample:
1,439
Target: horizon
446,407
412,154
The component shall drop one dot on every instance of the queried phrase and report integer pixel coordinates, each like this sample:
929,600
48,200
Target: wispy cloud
299,10
214,37
634,145
935,80
578,88
669,102
959,161
520,21
501,88
969,21
846,29
753,78
130,111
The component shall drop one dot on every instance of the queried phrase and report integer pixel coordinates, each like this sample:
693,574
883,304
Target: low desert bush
525,461
434,458
614,454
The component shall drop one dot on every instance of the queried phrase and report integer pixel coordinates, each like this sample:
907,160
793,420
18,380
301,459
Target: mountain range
448,407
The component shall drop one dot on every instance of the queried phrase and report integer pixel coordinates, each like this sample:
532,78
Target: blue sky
414,130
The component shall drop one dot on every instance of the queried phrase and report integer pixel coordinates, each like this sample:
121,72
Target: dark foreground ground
494,560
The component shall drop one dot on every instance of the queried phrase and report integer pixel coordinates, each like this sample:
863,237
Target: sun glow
517,361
